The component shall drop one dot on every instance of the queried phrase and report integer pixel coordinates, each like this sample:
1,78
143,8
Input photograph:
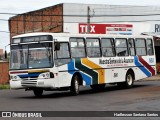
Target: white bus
63,61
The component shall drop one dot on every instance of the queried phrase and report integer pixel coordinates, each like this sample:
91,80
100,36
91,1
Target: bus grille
31,82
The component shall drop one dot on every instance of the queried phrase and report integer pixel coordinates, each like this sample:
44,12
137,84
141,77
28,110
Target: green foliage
5,86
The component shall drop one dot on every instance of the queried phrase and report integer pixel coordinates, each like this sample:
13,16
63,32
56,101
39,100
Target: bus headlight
14,77
11,77
45,75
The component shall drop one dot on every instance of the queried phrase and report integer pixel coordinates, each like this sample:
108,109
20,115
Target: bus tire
129,81
75,85
38,92
98,87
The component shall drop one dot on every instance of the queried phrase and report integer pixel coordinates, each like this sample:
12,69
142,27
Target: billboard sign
114,29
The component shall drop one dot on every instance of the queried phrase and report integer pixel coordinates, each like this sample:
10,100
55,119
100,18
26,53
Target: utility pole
88,19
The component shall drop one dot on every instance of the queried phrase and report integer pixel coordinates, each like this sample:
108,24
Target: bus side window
121,47
149,47
93,47
107,47
140,46
77,47
131,46
62,56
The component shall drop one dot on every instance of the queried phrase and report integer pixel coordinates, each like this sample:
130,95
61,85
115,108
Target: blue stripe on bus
141,67
72,70
29,75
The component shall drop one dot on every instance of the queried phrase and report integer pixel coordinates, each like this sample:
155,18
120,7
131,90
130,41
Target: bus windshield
30,56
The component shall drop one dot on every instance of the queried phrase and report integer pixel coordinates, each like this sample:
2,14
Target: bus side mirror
56,46
5,54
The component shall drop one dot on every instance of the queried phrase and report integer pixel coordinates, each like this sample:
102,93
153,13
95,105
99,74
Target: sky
22,6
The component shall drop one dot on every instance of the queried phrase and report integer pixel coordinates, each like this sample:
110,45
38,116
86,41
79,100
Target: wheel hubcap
129,79
76,86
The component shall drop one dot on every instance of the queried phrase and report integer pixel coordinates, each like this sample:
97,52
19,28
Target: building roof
150,9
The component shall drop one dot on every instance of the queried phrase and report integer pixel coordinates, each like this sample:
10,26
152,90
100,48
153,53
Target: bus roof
79,35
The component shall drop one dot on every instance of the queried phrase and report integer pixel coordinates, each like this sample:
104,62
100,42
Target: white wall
136,29
140,23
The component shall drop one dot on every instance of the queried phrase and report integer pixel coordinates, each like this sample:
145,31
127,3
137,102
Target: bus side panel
145,67
77,65
118,74
90,70
93,71
64,78
117,67
108,75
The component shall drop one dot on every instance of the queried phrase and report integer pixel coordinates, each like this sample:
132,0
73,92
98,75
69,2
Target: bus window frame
141,47
56,58
72,47
152,46
113,47
131,47
93,47
121,47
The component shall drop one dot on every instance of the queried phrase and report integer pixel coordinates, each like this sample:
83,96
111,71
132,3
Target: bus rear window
140,46
149,47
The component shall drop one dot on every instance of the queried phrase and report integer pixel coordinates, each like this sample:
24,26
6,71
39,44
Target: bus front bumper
22,84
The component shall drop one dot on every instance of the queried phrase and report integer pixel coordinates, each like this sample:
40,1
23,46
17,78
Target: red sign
107,28
94,28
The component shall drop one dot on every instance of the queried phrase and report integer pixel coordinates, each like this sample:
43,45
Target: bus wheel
128,82
75,85
38,92
98,87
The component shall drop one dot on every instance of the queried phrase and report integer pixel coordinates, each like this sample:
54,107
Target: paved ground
145,96
156,77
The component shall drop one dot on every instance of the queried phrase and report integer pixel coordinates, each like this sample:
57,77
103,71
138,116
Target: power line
83,21
4,20
94,23
8,13
79,15
25,20
60,22
4,31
